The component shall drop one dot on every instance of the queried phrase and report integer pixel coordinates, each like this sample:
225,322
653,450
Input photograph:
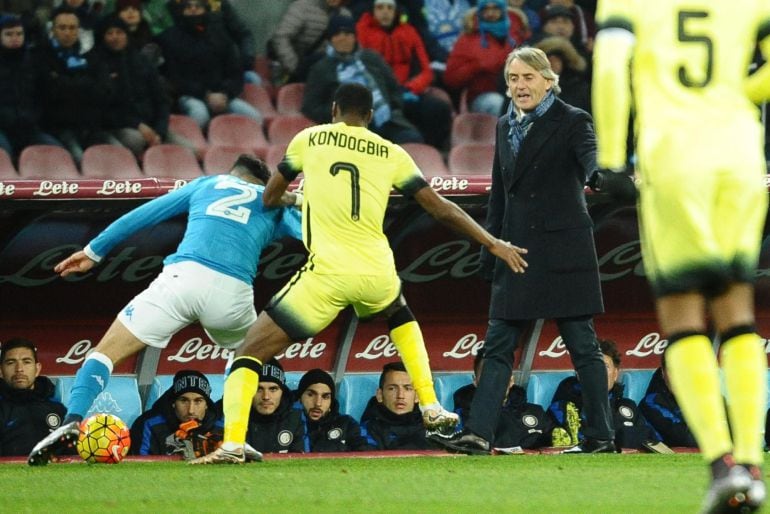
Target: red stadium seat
428,159
47,162
443,95
289,98
264,70
473,127
238,130
259,98
185,126
171,161
219,159
274,156
109,162
283,128
7,171
471,159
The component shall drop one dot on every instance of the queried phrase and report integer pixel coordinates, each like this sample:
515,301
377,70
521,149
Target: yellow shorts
702,210
310,301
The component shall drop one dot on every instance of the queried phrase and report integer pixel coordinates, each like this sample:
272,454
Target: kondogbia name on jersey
340,140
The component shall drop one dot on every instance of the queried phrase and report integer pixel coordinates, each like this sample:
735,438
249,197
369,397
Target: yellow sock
240,387
408,341
694,373
745,366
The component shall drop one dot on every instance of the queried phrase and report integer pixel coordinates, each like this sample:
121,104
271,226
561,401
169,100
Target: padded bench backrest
543,384
354,393
121,397
447,384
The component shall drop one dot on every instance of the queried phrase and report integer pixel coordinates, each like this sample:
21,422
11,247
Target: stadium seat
120,397
238,130
635,382
185,126
427,158
447,384
289,98
219,159
47,162
471,159
259,97
354,393
274,156
442,94
7,170
542,385
109,162
473,127
262,66
283,128
171,161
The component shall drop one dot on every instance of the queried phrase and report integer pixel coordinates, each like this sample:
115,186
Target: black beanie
316,376
191,381
272,371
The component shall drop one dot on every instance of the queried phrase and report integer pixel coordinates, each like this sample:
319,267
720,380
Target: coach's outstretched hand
78,262
510,254
618,184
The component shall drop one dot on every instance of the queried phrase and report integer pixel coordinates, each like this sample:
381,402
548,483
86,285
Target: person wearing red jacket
401,46
478,57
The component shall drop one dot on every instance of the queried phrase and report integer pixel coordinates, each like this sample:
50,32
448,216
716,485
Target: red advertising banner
41,222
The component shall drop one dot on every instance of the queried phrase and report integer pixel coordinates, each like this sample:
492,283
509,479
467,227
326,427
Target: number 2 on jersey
686,35
355,209
231,207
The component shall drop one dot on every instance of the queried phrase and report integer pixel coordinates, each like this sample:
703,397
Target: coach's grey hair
535,58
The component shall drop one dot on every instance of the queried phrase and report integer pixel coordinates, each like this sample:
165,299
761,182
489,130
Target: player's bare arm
78,262
453,216
276,195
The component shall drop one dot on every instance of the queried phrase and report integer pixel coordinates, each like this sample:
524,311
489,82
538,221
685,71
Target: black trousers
501,341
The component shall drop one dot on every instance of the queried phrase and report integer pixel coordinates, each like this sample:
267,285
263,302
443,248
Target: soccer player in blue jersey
349,172
208,279
703,203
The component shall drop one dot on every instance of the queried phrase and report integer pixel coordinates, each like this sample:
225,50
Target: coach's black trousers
501,341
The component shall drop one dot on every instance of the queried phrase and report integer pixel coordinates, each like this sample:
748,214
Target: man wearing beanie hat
274,426
187,402
345,62
137,112
326,429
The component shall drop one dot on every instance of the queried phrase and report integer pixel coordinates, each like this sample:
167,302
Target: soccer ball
104,439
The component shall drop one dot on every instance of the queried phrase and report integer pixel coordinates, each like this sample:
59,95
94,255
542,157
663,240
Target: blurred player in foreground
703,203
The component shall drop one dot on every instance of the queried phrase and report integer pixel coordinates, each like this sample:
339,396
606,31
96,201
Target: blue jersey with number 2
227,224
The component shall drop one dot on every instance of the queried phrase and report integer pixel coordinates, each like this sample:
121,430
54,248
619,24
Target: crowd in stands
79,73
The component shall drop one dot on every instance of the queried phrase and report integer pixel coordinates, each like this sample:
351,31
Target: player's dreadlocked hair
353,98
254,166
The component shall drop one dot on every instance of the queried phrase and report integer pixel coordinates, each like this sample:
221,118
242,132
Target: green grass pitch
594,484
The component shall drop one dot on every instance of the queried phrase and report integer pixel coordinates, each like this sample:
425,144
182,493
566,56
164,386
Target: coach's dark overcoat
537,202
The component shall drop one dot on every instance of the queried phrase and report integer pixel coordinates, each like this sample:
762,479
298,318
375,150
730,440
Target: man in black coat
521,423
137,114
326,430
275,426
346,62
663,412
392,419
184,412
20,83
28,411
544,155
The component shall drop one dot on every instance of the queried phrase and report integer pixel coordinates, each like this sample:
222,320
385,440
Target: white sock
230,447
432,406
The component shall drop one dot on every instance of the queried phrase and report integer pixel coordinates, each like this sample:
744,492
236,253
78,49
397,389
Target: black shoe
593,446
462,442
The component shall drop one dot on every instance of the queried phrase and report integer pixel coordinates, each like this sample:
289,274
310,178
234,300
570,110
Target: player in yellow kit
702,204
349,172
